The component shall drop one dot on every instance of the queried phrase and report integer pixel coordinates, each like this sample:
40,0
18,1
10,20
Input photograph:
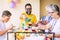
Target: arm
2,32
43,27
48,26
56,36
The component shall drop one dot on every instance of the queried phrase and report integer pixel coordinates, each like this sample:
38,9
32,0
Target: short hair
6,13
28,4
53,7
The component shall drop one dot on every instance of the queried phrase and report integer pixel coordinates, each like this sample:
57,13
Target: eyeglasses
50,12
28,8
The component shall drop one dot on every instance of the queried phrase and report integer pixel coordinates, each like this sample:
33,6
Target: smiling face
52,10
53,14
6,18
28,9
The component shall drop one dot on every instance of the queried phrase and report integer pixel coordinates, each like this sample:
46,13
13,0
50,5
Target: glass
50,12
33,30
30,24
26,28
28,8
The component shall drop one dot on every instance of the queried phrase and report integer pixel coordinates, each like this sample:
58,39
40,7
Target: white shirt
55,26
2,27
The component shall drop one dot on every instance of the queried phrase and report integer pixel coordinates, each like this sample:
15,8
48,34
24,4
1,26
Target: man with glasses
27,15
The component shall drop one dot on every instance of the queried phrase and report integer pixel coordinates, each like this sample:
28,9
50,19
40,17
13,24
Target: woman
54,25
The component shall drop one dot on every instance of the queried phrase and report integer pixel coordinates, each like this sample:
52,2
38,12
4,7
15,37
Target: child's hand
10,27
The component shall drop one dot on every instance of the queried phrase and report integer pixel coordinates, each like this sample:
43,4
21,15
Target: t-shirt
2,27
55,26
46,18
32,17
28,19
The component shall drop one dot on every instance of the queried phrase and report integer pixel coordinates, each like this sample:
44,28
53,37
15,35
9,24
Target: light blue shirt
2,27
46,18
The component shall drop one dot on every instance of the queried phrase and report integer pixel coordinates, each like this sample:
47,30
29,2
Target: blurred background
18,7
43,3
38,8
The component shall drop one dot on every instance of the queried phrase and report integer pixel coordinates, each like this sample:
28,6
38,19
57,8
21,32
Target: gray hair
53,8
